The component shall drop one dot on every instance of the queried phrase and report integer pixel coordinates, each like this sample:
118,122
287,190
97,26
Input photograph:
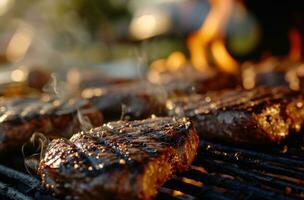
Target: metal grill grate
219,172
235,173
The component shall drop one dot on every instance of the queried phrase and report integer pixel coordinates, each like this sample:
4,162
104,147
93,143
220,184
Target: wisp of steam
57,88
124,110
84,121
38,142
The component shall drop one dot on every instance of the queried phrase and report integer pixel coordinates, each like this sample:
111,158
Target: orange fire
210,35
222,57
206,45
295,44
175,61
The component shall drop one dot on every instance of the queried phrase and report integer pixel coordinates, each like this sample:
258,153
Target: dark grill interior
219,172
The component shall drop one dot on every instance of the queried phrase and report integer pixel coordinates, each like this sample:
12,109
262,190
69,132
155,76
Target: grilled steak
120,160
187,80
129,100
261,115
138,100
273,72
21,117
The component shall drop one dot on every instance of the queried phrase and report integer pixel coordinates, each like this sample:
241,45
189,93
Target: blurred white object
150,23
5,5
124,68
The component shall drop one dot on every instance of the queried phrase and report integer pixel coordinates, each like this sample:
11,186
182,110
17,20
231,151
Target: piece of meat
16,89
141,99
120,160
37,77
31,81
261,115
273,72
187,80
21,117
128,100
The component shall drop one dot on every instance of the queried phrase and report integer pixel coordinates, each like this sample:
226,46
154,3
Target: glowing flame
158,65
209,35
295,44
192,182
197,48
222,57
177,193
248,76
174,62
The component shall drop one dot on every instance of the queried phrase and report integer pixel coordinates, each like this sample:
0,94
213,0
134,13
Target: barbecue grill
219,172
229,33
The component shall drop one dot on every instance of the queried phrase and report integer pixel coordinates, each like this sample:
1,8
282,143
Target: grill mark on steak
120,152
88,146
21,117
120,160
20,109
261,115
234,98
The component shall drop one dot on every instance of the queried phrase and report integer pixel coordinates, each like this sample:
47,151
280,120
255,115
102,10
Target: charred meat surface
261,115
141,99
273,72
187,80
21,117
120,160
128,100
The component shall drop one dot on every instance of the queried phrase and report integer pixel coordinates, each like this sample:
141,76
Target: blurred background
130,35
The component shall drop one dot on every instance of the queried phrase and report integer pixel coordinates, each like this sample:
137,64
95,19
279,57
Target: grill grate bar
19,176
287,170
11,193
257,164
275,183
232,173
234,185
199,192
208,146
165,193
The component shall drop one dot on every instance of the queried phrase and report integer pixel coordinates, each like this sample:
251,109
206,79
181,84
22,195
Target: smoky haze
50,29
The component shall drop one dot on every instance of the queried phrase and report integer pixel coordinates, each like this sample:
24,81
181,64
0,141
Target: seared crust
261,115
136,100
187,80
21,117
141,99
120,160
